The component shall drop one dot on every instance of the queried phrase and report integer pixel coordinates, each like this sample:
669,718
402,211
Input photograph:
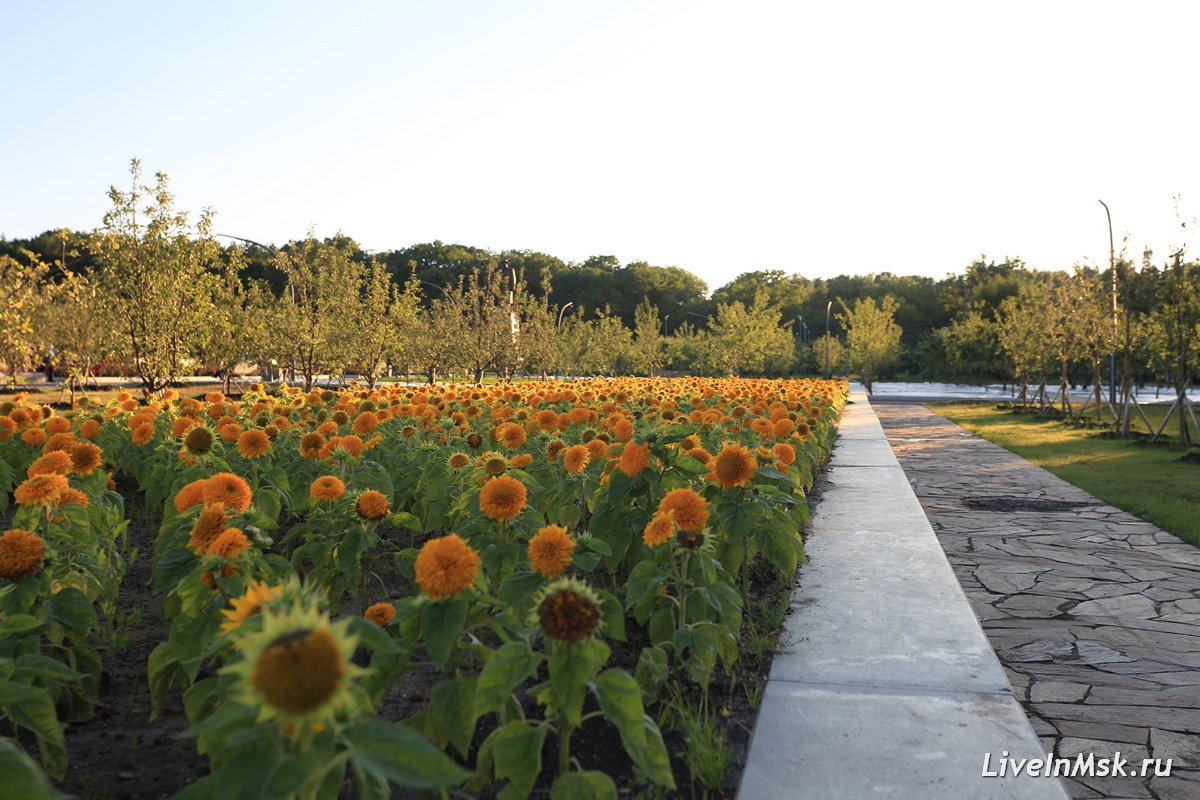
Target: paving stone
1176,787
1183,749
1107,732
1070,746
1033,606
1056,692
1126,605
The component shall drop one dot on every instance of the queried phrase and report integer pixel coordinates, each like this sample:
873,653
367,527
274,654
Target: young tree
1020,333
748,339
645,354
155,267
20,285
75,317
872,336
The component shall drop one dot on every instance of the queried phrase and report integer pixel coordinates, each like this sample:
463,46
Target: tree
872,336
1020,333
74,315
489,334
748,339
645,354
20,285
156,267
313,324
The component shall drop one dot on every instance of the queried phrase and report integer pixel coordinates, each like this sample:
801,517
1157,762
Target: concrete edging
885,685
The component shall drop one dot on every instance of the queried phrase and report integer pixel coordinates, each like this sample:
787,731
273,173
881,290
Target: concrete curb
885,686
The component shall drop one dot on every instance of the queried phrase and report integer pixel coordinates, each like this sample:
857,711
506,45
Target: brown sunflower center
299,671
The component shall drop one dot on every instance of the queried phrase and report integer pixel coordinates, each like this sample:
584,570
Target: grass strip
1148,481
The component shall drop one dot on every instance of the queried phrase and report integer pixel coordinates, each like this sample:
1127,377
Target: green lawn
1147,481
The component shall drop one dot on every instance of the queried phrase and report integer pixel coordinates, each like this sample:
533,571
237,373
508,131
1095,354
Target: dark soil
116,752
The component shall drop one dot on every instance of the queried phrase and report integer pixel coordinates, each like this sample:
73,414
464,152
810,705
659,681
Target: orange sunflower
208,526
575,459
733,466
550,550
372,505
253,443
21,553
502,498
327,487
446,566
190,495
257,595
85,458
142,433
380,613
231,543
40,489
230,489
660,529
689,508
56,462
634,458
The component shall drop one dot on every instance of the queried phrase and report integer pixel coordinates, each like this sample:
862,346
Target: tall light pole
828,307
561,311
665,318
1112,357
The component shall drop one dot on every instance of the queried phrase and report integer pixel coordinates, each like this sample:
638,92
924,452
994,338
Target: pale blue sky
812,137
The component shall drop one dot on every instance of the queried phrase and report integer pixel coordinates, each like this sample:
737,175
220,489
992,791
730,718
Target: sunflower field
560,563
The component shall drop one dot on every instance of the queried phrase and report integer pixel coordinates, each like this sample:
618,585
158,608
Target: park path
1094,613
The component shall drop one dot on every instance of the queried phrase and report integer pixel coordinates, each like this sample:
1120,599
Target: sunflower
297,669
253,443
365,422
257,596
550,550
634,458
58,424
230,544
458,460
190,495
63,440
502,498
199,440
142,433
7,428
34,437
372,505
689,508
85,458
555,448
446,566
785,454
209,525
510,435
623,430
569,611
597,448
21,553
733,466
40,489
474,441
327,487
227,488
575,459
56,462
659,529
182,425
493,463
380,613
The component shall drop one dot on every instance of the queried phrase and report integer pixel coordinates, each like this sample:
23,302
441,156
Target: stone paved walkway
1094,613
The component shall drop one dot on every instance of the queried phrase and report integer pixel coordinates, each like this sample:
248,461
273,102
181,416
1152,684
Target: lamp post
665,318
1112,357
828,307
561,311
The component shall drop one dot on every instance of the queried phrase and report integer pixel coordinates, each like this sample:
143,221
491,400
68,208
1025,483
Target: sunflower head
199,440
230,489
380,613
446,566
569,611
372,505
297,670
21,553
659,529
550,550
40,489
253,443
327,487
733,466
458,460
502,498
690,509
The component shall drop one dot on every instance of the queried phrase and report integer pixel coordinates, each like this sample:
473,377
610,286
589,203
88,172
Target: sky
817,138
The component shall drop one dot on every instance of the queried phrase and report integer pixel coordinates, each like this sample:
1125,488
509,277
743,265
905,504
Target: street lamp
665,318
561,311
828,306
1112,357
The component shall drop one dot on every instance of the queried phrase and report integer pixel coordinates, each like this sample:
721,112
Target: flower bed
314,549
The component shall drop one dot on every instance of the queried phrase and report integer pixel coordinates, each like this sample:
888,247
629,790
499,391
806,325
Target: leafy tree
20,287
75,316
748,339
489,335
645,354
872,337
970,347
815,355
1020,334
156,267
312,326
787,292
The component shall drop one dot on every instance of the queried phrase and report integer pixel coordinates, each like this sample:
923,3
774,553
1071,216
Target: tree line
163,295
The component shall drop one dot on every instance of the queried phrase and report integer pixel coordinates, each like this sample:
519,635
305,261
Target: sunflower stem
683,589
564,749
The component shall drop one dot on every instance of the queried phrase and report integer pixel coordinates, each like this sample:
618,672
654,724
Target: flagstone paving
1094,613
